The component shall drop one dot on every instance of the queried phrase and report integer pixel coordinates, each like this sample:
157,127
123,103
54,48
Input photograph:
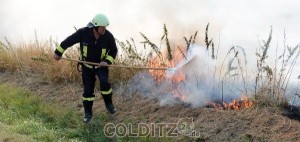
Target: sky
236,22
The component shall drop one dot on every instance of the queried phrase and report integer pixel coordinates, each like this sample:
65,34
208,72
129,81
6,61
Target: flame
236,104
179,94
159,75
179,77
175,79
161,62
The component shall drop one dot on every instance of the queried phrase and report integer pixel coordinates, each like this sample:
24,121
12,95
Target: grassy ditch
23,113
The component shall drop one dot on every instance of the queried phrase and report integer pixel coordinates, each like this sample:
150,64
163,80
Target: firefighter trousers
89,78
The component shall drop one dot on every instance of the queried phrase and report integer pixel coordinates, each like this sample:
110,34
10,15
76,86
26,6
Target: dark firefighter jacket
92,50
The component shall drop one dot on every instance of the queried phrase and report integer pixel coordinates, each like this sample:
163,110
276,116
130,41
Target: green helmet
99,20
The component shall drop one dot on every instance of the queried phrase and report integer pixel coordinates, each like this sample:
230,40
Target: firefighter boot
108,103
88,113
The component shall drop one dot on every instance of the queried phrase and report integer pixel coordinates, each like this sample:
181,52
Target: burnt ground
250,124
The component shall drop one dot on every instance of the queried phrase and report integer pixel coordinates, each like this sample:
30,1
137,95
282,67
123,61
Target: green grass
27,114
26,117
7,134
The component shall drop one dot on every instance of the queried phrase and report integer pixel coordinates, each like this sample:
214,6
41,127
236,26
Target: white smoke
201,84
206,80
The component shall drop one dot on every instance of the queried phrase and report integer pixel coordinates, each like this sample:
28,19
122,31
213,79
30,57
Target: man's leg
88,97
106,90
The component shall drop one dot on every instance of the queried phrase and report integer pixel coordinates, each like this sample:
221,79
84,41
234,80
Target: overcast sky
239,22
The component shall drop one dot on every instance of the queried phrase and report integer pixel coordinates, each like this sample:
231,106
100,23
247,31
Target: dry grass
31,59
31,65
260,123
6,135
272,79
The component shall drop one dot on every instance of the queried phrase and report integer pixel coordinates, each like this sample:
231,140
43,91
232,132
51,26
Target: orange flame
160,75
178,77
180,95
236,104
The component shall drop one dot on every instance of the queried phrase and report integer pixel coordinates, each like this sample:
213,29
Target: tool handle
117,66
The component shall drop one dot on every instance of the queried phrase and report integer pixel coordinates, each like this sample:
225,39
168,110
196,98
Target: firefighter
97,45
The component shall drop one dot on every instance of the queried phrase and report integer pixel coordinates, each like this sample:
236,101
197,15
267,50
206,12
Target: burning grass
200,79
236,104
198,75
252,124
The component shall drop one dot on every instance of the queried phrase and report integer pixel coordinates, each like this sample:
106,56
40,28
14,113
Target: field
40,99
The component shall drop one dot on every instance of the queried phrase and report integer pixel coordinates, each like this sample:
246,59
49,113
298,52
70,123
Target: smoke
200,85
128,18
238,23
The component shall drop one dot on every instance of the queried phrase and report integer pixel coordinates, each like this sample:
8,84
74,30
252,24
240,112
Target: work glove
56,57
103,64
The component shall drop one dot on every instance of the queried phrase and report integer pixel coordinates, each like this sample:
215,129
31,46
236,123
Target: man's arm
68,42
113,50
